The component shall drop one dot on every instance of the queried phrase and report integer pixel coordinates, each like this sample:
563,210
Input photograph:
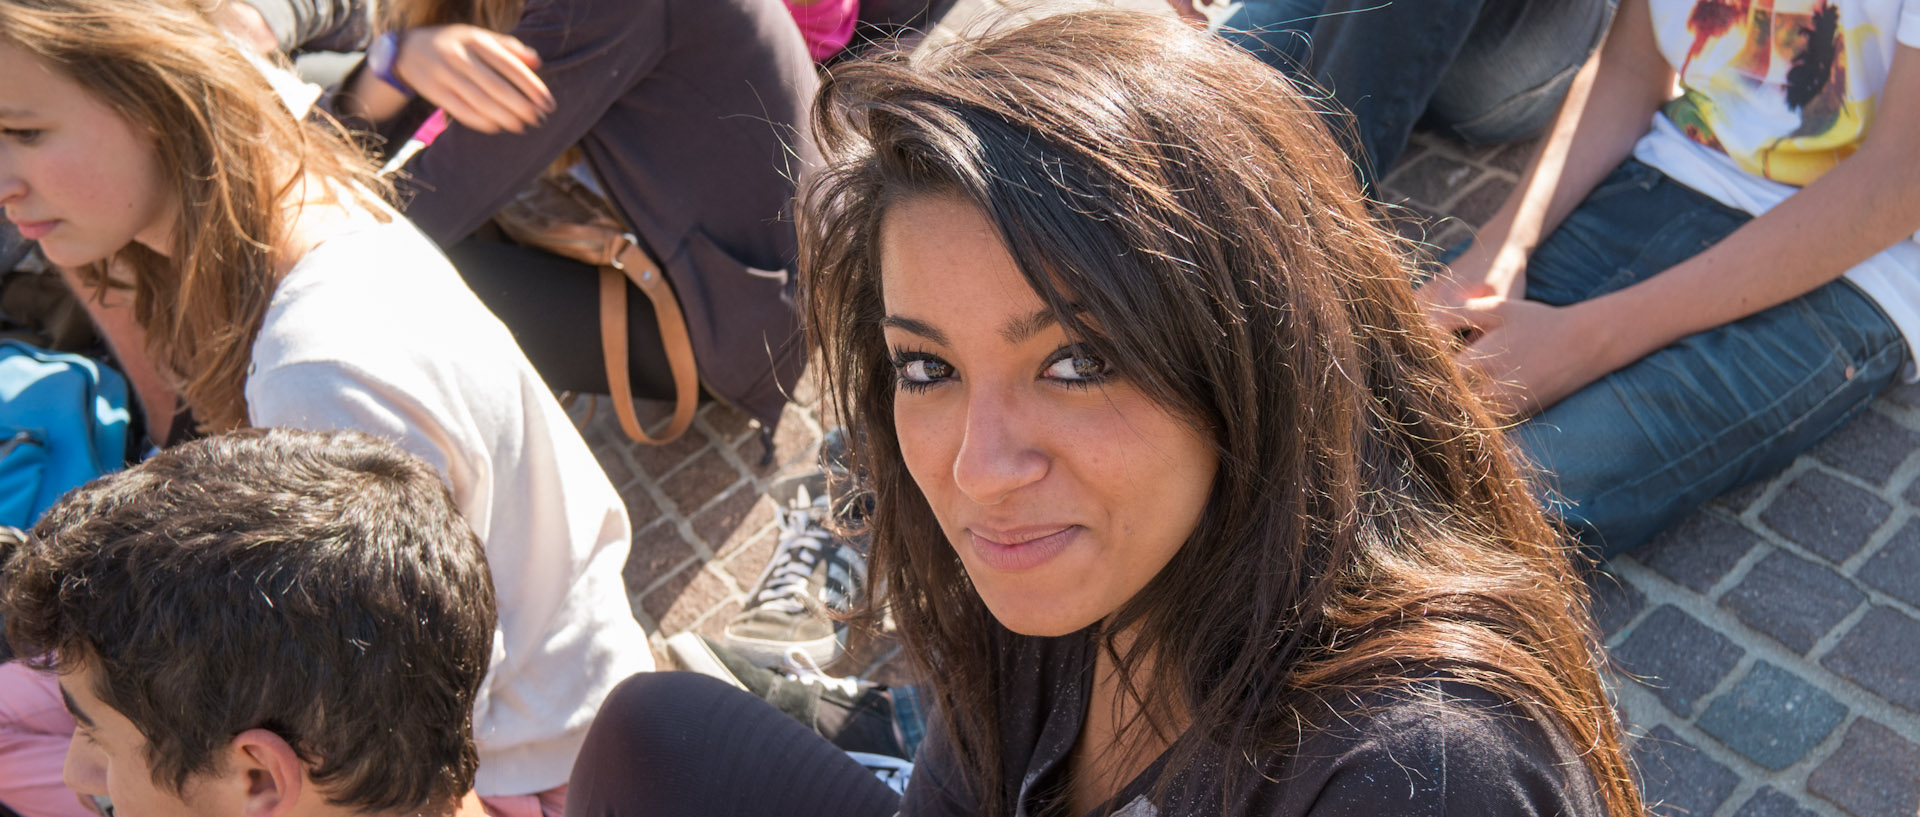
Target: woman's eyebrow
73,708
15,113
920,328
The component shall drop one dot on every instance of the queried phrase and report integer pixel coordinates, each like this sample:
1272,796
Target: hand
484,80
1528,355
1474,275
1186,11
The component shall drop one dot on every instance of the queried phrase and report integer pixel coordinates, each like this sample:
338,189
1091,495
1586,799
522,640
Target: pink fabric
35,729
549,803
34,732
827,25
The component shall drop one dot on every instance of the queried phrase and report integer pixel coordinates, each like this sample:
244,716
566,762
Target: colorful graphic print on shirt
1786,88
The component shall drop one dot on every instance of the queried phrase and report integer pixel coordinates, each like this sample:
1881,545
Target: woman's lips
1021,549
35,230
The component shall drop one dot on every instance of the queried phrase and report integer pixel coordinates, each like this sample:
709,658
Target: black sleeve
1455,757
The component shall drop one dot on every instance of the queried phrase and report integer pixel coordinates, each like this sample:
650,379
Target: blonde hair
230,154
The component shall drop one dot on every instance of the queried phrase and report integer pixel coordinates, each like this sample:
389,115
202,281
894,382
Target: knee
656,729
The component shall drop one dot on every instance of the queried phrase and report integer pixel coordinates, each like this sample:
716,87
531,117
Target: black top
1431,747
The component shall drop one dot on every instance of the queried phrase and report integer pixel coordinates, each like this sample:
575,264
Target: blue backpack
63,421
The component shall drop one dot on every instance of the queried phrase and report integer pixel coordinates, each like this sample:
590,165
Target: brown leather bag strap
631,264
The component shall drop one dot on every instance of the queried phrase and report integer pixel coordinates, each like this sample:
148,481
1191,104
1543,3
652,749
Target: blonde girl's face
1063,488
74,175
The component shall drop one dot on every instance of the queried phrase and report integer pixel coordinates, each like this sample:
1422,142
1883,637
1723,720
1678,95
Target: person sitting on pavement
261,623
686,114
273,288
1685,292
1480,71
1179,503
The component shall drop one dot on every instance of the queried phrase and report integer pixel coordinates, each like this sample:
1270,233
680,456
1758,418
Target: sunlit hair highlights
1367,520
230,153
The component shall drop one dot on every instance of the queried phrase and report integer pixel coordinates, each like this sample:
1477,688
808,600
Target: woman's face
74,175
1061,485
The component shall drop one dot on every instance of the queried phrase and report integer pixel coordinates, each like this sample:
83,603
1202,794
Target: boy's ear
267,776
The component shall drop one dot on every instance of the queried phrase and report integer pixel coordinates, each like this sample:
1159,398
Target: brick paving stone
726,422
1743,497
1677,779
1772,717
733,520
1874,773
614,465
686,596
746,565
657,460
1879,653
1895,570
641,509
1699,551
1478,204
1794,600
1826,515
793,441
1615,602
1680,658
1769,802
657,549
1432,179
1513,157
1869,447
699,481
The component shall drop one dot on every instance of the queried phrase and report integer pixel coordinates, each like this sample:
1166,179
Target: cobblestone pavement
1768,646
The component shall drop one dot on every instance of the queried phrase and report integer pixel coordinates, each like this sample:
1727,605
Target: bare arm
1536,355
1608,108
112,313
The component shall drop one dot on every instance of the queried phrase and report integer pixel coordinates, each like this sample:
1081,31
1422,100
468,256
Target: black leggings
682,743
552,306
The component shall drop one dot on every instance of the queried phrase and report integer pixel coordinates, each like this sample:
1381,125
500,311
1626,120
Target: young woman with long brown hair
274,288
1180,506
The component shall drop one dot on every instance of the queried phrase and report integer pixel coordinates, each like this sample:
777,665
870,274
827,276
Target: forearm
1607,109
1856,210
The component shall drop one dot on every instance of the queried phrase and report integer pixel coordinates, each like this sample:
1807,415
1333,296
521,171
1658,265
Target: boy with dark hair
267,623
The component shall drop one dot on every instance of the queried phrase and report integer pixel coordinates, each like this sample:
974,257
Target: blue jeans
1480,70
1638,449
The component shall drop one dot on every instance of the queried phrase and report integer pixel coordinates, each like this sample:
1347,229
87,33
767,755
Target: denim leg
1379,61
1633,452
1276,31
1509,77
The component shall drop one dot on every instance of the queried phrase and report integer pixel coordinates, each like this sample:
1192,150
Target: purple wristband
382,56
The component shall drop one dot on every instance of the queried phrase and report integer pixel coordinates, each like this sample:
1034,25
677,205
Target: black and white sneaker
855,715
812,574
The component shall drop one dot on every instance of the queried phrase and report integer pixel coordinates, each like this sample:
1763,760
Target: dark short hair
319,585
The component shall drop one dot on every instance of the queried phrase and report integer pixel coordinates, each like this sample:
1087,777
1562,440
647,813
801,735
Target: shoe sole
691,652
822,651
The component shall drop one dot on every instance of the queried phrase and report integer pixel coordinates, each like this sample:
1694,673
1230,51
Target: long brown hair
231,154
1367,520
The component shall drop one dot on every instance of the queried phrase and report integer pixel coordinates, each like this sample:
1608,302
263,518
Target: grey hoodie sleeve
318,25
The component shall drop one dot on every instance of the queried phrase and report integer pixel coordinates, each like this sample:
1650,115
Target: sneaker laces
800,667
802,544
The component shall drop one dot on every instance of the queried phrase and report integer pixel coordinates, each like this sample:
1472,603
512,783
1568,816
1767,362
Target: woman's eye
918,371
1077,369
25,136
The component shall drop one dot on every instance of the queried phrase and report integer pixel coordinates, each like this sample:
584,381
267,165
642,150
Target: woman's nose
999,452
83,772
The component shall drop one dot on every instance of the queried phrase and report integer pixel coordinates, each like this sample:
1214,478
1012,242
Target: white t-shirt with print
1775,94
